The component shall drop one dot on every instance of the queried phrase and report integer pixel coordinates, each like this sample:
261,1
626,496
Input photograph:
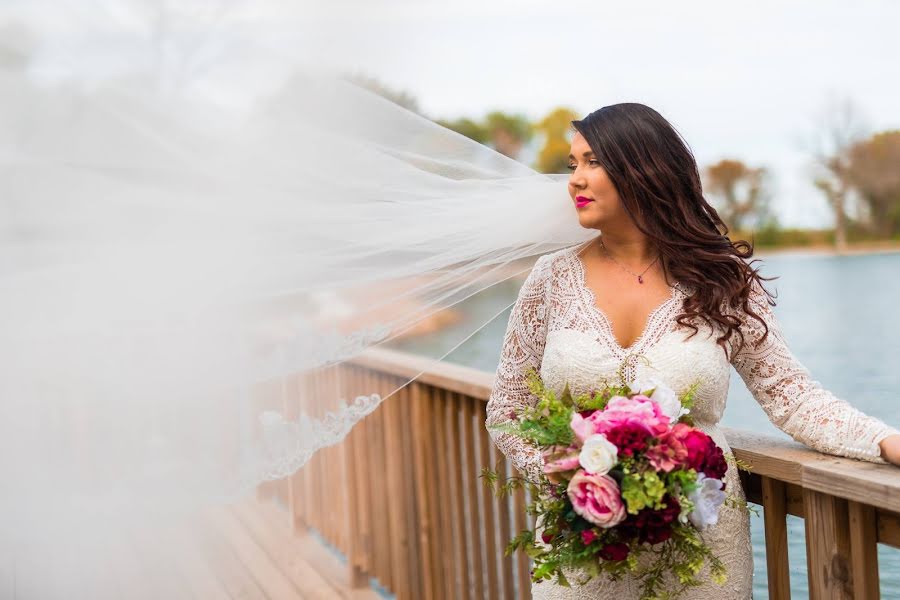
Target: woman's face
590,182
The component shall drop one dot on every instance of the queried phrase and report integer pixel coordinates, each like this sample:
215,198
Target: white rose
598,455
663,395
707,499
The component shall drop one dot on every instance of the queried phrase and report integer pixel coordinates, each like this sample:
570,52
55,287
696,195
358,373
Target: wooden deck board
281,550
240,552
317,556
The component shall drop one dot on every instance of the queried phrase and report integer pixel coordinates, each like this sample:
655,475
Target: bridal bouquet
625,473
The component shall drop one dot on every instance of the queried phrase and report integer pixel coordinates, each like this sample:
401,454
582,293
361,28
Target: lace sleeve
797,404
523,347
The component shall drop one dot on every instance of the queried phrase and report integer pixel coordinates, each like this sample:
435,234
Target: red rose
546,537
588,536
704,456
696,442
617,551
714,465
629,439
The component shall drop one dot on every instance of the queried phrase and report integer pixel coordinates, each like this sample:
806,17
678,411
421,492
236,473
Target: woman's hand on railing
890,449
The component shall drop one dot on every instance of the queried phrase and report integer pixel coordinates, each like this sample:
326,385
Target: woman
662,293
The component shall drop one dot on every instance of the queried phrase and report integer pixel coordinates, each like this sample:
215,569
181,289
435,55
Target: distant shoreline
518,270
885,247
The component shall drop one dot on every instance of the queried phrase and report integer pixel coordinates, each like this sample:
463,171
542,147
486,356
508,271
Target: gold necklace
640,276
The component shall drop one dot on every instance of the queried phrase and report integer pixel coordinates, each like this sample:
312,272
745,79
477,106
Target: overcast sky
741,80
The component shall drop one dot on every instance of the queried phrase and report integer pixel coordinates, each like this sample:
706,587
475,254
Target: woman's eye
592,161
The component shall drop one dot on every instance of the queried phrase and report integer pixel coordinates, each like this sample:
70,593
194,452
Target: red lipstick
581,201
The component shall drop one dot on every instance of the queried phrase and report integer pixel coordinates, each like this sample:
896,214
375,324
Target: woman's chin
588,221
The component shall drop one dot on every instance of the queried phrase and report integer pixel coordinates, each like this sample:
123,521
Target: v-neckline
589,298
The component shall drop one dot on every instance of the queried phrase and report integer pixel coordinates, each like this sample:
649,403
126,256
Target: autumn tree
740,193
873,169
555,127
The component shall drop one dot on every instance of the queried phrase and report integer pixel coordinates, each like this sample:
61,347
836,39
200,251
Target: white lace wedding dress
556,326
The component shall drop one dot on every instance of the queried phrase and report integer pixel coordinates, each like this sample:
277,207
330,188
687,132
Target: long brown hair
656,176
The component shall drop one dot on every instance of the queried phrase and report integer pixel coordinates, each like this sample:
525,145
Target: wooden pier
402,500
398,510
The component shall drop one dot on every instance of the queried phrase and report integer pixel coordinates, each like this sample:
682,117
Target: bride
661,293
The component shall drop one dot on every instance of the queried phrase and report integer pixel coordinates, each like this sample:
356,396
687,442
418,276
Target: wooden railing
401,499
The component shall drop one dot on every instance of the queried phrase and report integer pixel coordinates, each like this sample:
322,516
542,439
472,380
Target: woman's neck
634,248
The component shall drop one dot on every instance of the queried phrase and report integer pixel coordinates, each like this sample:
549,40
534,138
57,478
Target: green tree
467,127
507,133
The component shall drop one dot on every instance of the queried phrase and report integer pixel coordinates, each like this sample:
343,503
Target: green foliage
685,480
642,490
467,127
688,396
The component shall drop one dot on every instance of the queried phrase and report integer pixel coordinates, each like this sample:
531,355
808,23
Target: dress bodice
556,327
581,350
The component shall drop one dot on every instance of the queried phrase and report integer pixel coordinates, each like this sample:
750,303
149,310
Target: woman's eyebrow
585,155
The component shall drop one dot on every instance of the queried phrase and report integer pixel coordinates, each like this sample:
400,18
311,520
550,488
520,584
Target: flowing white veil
165,254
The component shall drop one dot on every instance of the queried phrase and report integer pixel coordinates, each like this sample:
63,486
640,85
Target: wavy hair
656,176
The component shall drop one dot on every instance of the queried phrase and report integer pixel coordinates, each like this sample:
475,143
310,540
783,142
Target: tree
840,127
507,133
742,193
556,126
404,99
467,127
873,168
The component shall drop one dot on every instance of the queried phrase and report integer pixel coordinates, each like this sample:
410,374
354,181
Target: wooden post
422,423
864,551
354,500
775,515
827,546
523,563
476,522
395,464
491,550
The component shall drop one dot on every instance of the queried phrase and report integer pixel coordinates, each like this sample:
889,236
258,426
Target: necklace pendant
640,279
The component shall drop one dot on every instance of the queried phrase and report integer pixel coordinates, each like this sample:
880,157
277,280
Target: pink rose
558,459
668,454
639,410
596,498
583,427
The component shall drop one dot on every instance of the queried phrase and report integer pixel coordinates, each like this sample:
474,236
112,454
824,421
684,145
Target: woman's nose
576,179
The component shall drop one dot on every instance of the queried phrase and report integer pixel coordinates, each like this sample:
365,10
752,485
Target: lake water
839,316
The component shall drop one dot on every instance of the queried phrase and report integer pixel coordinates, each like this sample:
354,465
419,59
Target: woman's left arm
799,405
